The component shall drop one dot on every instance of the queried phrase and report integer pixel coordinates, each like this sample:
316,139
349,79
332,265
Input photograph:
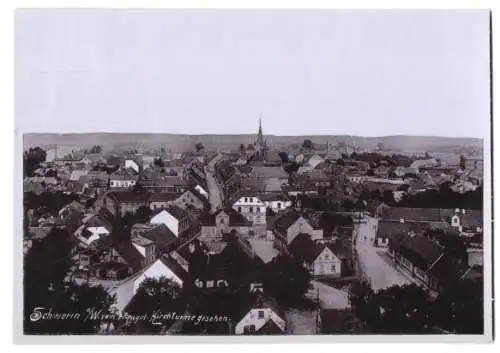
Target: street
214,193
375,269
329,297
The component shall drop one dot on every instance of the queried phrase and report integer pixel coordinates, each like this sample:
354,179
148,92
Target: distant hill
174,142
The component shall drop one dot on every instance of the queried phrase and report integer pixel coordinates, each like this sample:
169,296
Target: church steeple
260,137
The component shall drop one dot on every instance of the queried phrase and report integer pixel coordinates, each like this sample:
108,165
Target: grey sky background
366,73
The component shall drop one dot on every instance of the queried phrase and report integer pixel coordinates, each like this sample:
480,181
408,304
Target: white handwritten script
157,317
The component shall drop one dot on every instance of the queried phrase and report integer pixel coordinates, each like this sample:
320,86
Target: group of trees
48,288
47,202
408,310
286,279
32,159
444,197
377,159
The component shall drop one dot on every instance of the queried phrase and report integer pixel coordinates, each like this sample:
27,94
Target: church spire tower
260,137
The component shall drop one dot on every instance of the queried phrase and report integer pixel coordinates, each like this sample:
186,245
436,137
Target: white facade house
326,264
252,208
278,205
157,269
256,318
88,235
314,161
121,183
167,219
129,163
201,191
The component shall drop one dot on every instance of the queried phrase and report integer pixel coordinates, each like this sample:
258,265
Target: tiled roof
161,235
130,254
417,214
128,196
164,196
269,172
286,220
420,250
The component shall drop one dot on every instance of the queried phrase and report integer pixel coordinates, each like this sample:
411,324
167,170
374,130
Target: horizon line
245,134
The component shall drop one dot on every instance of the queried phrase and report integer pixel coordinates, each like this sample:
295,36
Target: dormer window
246,199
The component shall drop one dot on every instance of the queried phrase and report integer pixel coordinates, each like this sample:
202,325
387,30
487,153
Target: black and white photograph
253,173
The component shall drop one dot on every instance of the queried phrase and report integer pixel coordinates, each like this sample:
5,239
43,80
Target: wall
167,219
324,262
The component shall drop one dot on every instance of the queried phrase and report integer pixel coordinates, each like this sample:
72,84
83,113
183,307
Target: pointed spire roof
260,137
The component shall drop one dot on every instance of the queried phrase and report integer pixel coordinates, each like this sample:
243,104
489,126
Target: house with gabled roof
319,258
291,224
214,226
159,200
260,315
424,260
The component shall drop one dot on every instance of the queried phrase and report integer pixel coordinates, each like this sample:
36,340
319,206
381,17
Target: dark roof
417,214
128,196
269,328
420,250
175,268
130,254
174,210
177,212
287,219
389,229
272,156
269,172
305,249
161,235
272,196
163,196
235,218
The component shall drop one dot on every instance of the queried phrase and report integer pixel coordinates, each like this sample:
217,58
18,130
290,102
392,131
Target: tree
250,147
340,161
96,149
158,162
242,148
143,214
199,147
308,144
459,308
380,146
284,157
32,159
47,266
403,309
286,279
462,162
155,295
270,212
291,168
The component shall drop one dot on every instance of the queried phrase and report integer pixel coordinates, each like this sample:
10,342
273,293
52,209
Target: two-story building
290,225
222,222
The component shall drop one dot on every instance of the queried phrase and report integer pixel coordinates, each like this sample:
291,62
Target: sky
365,73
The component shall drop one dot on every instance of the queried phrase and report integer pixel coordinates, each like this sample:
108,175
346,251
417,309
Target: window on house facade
261,314
239,209
251,199
327,257
251,210
249,329
246,199
222,221
258,209
279,205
